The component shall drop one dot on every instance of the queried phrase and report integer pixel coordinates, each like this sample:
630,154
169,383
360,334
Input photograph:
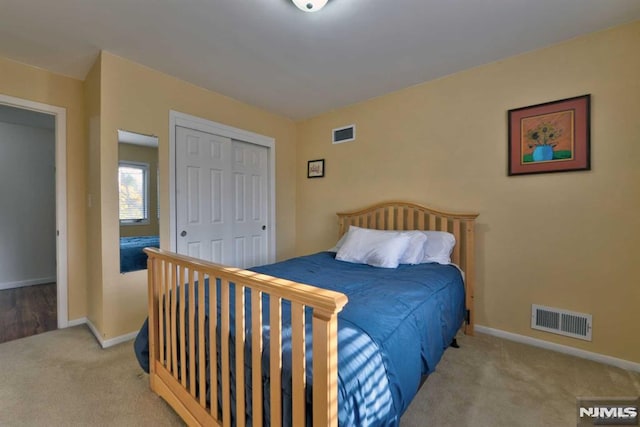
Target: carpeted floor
490,381
64,378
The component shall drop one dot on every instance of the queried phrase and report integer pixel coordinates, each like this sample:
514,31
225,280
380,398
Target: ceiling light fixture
310,5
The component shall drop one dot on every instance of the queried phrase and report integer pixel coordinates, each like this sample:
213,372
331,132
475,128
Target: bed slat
432,222
256,357
224,345
410,218
470,274
456,248
183,349
213,346
240,340
298,362
174,304
275,356
161,311
167,311
153,304
444,224
192,332
390,218
325,387
201,343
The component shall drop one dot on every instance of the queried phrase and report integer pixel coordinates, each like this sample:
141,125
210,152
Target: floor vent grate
563,322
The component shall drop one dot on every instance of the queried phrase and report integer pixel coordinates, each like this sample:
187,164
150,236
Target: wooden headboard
396,215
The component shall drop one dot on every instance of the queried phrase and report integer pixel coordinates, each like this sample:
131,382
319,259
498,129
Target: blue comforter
132,256
394,330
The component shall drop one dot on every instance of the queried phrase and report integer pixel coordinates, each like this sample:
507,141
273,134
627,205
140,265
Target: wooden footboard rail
174,334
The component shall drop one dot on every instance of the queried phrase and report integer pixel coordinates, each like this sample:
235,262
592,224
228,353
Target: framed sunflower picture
550,137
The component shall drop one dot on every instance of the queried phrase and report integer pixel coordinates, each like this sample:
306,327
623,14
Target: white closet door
250,204
221,199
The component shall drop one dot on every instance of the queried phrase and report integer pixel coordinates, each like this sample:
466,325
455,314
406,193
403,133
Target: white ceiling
271,55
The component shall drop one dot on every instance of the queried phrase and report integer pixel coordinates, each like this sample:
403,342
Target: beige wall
568,240
138,99
33,84
92,88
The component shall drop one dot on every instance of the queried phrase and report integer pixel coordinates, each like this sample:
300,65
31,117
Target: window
133,179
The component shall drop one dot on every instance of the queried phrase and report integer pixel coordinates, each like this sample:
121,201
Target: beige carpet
64,378
489,381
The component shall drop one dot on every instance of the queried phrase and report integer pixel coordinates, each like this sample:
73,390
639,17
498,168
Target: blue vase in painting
542,153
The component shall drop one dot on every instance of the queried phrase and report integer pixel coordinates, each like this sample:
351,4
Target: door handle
264,227
184,233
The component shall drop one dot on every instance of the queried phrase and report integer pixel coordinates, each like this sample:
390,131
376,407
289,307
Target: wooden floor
27,311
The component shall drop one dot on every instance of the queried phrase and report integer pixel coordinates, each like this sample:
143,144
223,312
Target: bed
132,256
316,359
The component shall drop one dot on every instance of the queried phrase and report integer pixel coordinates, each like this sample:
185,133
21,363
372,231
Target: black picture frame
550,137
315,168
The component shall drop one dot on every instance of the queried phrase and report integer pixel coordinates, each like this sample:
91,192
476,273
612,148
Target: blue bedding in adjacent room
394,330
132,257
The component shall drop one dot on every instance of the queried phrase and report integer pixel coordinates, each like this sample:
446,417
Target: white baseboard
30,282
583,354
103,343
119,340
77,322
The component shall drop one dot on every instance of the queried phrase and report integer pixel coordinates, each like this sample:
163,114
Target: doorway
52,286
222,192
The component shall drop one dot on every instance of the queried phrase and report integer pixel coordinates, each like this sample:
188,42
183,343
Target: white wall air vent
562,322
344,134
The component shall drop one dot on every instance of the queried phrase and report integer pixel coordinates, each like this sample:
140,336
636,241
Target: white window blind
133,179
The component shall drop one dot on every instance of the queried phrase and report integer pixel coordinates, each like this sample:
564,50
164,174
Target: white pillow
415,252
373,247
439,246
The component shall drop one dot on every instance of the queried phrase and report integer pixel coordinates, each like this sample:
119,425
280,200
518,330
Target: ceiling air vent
344,134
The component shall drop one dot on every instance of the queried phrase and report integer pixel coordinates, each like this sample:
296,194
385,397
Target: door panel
202,211
221,198
250,176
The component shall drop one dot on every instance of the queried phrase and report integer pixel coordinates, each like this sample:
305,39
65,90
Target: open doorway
27,223
33,249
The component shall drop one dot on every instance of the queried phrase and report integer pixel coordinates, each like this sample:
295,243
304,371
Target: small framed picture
315,168
550,137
